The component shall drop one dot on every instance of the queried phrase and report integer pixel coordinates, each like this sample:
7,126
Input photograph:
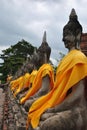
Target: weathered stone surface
67,120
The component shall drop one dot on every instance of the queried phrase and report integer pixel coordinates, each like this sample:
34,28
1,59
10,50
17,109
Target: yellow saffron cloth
32,76
15,83
70,71
31,79
24,83
44,70
26,80
20,85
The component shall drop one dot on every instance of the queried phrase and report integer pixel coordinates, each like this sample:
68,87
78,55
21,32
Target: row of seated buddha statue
56,101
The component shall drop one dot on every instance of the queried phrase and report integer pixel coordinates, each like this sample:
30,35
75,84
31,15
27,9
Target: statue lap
69,119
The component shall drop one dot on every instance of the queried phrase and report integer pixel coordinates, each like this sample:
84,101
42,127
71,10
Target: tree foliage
14,57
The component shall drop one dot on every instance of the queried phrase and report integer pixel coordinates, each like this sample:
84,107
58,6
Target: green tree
14,57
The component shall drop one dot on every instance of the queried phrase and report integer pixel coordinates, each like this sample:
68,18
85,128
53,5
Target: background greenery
14,57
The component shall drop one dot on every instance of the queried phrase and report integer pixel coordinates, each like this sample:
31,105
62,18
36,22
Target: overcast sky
28,19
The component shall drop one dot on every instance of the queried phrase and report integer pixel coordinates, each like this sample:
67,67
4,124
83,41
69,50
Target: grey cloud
28,19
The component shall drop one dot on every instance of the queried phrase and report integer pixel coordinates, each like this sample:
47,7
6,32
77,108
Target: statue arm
72,99
44,88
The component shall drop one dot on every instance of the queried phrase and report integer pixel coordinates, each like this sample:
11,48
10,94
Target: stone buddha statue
40,57
69,113
67,105
42,54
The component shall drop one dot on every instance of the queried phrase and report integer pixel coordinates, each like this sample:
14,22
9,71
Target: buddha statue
65,106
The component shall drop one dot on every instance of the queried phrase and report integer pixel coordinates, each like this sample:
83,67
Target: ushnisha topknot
73,15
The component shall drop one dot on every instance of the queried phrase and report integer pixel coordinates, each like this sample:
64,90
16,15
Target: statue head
44,51
72,32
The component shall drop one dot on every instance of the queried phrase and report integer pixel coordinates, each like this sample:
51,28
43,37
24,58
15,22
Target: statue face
68,38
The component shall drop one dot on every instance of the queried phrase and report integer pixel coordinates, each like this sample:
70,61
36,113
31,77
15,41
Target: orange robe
32,76
20,85
26,81
15,83
70,71
44,70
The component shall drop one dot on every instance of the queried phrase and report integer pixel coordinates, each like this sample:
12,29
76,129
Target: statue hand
50,110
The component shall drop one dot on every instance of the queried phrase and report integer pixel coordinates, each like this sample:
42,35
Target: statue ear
77,42
78,37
